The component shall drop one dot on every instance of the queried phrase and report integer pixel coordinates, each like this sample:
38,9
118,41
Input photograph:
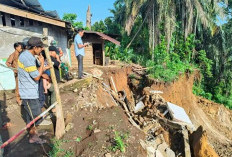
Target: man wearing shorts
28,77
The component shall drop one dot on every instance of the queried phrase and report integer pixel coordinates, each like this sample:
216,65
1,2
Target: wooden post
60,126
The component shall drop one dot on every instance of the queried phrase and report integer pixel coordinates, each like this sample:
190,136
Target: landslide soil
215,118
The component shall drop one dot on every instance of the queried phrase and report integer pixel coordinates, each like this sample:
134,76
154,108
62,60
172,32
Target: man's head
18,47
80,31
36,45
53,51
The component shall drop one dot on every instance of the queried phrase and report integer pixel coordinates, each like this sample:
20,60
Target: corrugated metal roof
104,37
34,4
53,14
30,5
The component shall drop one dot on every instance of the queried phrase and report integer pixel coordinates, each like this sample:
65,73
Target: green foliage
204,63
198,90
78,139
89,127
72,18
118,143
58,151
118,53
55,148
208,50
99,26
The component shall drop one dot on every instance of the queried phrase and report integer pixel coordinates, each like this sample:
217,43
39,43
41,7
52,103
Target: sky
99,8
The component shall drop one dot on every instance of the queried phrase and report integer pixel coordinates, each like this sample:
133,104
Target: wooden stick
60,125
115,89
126,110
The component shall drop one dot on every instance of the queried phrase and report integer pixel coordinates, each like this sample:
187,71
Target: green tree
99,26
72,18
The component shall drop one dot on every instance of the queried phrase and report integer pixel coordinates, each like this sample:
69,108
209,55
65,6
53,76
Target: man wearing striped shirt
28,77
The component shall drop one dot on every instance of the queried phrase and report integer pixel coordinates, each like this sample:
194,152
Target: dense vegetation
173,37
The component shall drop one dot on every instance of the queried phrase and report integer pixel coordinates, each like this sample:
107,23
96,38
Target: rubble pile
159,136
87,97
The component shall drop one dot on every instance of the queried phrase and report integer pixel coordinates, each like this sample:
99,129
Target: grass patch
118,142
58,151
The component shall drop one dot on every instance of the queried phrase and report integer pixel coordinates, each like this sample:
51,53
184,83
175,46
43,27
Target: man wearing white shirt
79,51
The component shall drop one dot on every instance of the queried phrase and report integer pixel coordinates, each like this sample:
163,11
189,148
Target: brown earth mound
200,146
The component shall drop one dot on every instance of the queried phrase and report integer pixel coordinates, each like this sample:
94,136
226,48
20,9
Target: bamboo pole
60,125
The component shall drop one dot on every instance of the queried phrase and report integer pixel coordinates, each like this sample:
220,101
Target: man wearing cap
28,77
79,50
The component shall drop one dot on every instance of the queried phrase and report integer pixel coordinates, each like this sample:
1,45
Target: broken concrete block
139,106
96,131
107,155
162,147
158,154
150,151
178,113
156,92
169,152
69,127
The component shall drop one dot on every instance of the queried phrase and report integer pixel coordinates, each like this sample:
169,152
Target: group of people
33,79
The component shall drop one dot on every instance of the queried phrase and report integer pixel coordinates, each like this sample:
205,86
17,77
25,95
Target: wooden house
94,53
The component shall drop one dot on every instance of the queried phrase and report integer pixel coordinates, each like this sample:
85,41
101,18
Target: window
3,19
30,22
21,21
12,19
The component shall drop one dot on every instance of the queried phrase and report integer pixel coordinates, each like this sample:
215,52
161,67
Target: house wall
10,34
88,58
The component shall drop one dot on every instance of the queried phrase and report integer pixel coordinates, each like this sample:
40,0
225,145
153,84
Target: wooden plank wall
88,58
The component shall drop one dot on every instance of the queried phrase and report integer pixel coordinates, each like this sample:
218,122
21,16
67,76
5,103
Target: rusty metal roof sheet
104,37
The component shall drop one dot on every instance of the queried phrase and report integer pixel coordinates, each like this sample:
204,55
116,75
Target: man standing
12,62
28,77
79,51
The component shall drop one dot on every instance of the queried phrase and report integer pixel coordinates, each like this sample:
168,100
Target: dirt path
11,112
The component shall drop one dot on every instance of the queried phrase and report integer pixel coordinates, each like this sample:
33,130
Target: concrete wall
7,79
9,35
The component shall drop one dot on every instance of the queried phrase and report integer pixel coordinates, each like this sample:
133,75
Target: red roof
104,37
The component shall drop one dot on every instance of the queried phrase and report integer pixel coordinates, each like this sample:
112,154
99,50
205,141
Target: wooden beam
60,125
17,21
1,22
103,55
29,15
8,20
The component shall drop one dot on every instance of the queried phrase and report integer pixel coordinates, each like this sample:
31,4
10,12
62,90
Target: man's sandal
37,141
43,133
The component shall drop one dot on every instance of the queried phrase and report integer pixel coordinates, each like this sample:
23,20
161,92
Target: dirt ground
105,123
11,112
93,117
